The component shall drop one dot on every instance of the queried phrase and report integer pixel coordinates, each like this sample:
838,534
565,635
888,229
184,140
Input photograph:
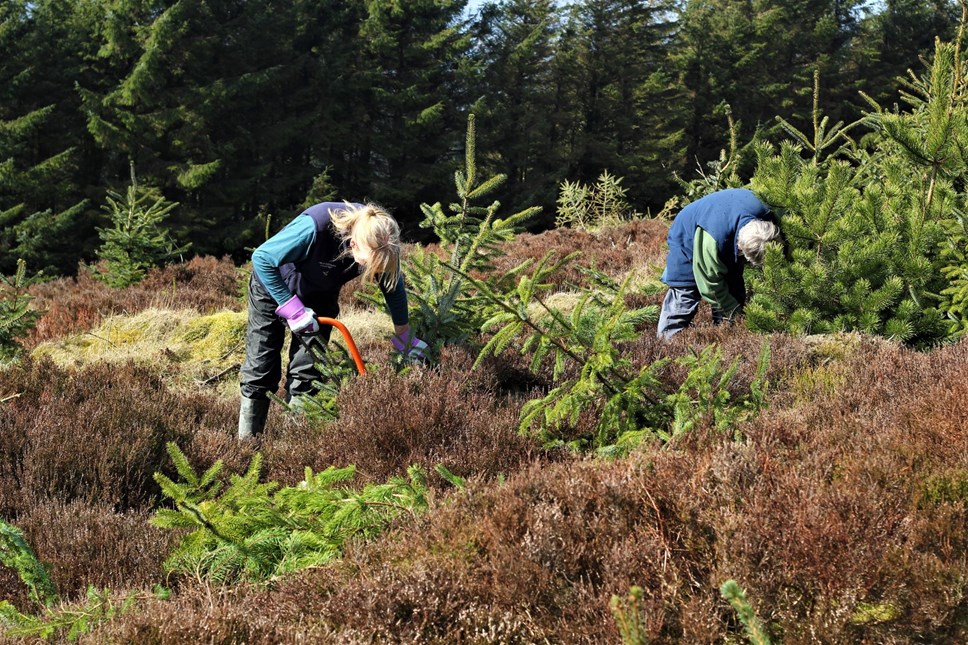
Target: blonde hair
753,238
370,227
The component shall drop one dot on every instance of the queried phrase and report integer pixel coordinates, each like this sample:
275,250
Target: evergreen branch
16,554
736,597
524,319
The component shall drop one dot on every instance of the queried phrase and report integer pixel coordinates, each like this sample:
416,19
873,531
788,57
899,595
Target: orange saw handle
354,352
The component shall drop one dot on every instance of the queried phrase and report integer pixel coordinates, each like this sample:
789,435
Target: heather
827,514
840,511
554,472
74,305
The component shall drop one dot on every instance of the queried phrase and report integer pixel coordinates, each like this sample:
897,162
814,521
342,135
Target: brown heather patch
815,526
94,435
614,251
242,614
821,515
843,513
75,305
93,545
837,514
447,415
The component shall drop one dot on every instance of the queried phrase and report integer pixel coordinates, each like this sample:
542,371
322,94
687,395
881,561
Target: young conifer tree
865,227
138,240
17,317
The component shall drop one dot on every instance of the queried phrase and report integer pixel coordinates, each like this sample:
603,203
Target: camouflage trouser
264,340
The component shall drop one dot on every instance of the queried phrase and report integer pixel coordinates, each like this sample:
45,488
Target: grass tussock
194,351
75,305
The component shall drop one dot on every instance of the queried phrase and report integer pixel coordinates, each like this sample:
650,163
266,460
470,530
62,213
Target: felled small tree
252,530
138,239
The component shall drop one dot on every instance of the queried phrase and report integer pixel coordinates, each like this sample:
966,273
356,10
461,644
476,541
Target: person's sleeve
397,302
710,274
291,244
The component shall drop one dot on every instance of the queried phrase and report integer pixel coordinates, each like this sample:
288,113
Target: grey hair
753,238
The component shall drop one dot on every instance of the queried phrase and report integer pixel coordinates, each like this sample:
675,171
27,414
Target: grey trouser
264,339
678,310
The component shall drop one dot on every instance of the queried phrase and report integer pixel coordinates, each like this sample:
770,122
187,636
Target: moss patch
867,614
181,344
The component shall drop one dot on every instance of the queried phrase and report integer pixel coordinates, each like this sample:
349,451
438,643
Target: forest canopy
243,112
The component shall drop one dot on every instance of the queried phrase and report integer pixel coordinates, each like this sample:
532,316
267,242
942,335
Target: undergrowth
259,531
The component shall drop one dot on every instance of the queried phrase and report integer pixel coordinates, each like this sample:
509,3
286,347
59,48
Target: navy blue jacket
721,214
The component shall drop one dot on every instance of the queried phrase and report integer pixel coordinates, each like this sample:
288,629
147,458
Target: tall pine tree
757,57
409,116
890,41
213,104
629,112
44,216
515,45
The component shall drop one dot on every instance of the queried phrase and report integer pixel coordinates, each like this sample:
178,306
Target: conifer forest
552,471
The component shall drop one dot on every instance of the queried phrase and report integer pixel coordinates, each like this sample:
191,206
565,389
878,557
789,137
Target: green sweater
710,273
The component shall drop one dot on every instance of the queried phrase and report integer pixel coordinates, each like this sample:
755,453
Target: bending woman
296,276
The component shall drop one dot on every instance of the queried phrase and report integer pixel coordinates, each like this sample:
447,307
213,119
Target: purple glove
412,351
301,319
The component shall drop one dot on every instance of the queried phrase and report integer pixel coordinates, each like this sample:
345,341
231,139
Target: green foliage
17,317
869,614
628,616
584,344
621,102
704,393
944,488
590,208
871,232
257,531
736,597
405,71
322,189
588,337
565,91
17,554
757,59
67,622
46,178
516,48
138,240
214,137
954,255
443,309
827,139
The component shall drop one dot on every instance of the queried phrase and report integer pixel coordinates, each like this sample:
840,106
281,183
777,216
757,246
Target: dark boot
252,417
